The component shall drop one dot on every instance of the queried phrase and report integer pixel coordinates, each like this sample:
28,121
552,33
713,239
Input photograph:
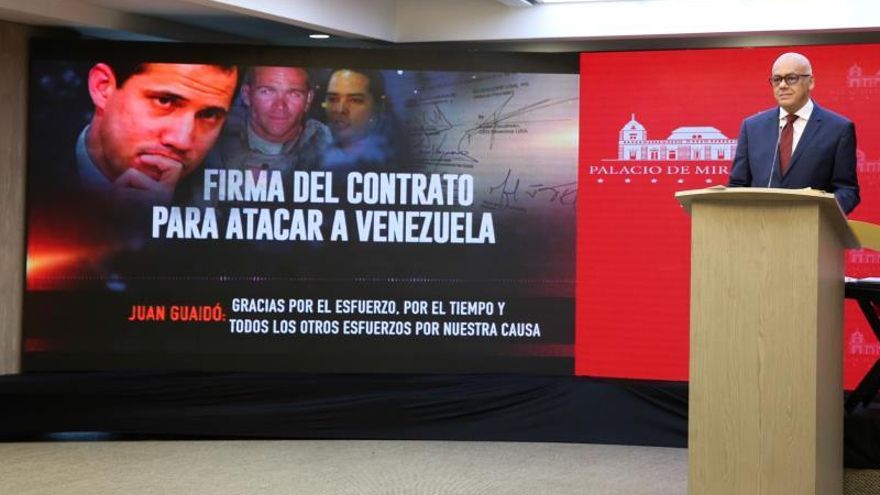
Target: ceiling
482,23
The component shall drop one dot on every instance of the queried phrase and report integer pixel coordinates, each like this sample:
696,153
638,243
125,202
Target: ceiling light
319,36
518,3
567,1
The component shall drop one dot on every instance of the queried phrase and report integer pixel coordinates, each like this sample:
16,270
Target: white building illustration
858,346
856,78
863,256
865,166
685,143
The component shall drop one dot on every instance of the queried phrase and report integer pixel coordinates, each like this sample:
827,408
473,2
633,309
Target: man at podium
797,144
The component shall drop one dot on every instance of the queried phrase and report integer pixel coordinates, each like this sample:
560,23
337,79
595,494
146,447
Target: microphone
775,152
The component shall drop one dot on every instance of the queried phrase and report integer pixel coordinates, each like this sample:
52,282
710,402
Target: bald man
797,144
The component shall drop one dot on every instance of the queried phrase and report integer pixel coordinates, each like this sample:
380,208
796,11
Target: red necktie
786,140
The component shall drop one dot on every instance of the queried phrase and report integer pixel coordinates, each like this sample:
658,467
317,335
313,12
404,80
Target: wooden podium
766,344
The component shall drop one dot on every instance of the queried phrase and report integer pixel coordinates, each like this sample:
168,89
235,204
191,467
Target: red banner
653,123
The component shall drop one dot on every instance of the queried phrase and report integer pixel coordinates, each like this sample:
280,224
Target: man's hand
152,183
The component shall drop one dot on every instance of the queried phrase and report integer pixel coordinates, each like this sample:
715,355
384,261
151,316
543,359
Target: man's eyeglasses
790,79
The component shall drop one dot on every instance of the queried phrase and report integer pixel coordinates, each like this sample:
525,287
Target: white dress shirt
803,117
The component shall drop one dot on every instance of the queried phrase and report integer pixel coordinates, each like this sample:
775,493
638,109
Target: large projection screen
240,209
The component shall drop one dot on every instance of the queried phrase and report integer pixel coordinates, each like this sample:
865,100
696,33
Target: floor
339,468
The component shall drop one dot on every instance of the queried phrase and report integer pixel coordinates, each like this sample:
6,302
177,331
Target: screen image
195,215
657,122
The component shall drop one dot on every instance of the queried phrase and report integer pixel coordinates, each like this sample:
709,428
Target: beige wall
13,80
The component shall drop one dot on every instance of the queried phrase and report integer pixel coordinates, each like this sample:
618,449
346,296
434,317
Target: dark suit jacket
825,157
